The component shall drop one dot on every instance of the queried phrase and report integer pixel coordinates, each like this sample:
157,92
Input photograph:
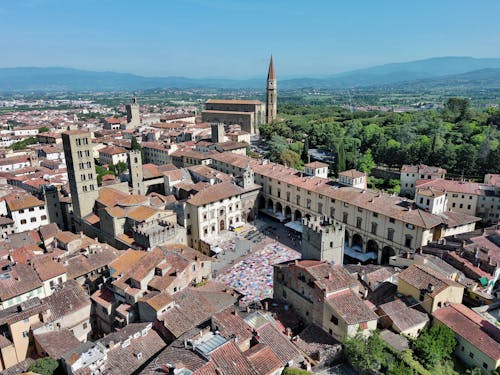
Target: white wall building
28,212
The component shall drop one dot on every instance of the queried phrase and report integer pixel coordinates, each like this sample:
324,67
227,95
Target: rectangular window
344,217
334,320
374,228
392,220
358,222
408,241
390,234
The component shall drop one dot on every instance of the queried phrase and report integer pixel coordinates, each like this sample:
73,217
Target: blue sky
224,38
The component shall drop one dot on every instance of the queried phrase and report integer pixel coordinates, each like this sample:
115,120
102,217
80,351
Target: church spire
271,73
272,94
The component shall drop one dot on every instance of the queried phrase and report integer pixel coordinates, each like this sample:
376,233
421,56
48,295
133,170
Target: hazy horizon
227,39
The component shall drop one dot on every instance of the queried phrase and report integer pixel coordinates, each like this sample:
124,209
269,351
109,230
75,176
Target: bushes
367,354
435,345
294,371
44,366
430,355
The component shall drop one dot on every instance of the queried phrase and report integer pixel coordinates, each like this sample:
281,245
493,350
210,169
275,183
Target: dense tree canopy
462,140
435,345
44,366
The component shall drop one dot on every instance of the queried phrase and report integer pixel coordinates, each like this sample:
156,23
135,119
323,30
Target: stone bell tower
272,94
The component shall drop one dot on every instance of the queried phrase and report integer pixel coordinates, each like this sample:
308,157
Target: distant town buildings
174,253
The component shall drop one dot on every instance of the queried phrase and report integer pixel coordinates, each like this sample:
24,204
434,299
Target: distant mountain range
445,71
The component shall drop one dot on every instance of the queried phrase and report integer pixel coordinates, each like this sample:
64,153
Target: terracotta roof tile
350,307
402,316
263,359
214,193
23,202
21,279
279,343
421,277
352,173
472,327
109,197
56,343
141,213
231,361
47,268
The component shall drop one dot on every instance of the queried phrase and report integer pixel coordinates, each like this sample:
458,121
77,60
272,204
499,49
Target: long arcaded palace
249,114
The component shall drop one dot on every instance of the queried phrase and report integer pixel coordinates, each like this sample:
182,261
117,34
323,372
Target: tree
466,159
341,163
394,186
277,145
290,158
21,145
435,345
366,354
400,368
457,109
134,145
44,366
366,162
120,167
43,129
305,151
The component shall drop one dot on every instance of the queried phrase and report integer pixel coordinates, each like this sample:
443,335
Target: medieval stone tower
79,154
272,94
323,239
135,172
217,132
133,116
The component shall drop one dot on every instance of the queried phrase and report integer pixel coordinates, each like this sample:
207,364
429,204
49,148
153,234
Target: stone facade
82,178
323,239
249,114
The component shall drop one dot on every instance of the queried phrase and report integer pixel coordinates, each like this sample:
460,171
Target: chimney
266,305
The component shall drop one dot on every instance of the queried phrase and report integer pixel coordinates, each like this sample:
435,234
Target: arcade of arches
355,241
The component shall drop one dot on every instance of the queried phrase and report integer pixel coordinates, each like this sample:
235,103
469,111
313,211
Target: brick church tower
272,94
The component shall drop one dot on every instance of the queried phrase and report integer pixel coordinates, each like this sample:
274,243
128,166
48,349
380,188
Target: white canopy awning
295,225
277,215
217,249
363,257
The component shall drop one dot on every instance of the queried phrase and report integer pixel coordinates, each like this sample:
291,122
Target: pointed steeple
271,74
